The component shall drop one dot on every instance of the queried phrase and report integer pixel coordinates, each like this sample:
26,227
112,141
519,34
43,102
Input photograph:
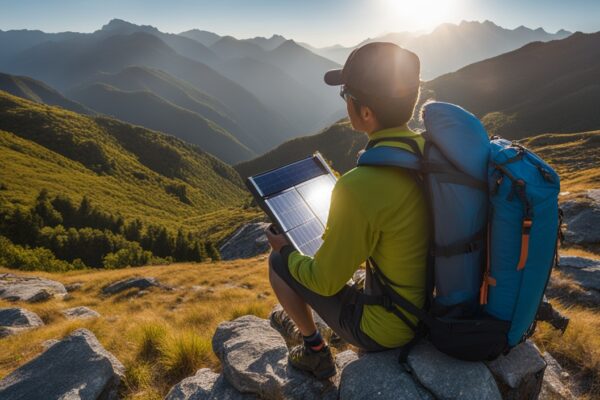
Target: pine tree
211,251
44,209
66,208
133,231
181,247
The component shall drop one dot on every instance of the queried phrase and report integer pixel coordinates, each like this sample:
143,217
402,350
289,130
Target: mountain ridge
541,87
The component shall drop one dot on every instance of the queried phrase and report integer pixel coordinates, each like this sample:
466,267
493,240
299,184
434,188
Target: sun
422,14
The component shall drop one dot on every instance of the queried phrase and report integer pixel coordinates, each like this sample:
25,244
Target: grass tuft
183,354
153,334
260,309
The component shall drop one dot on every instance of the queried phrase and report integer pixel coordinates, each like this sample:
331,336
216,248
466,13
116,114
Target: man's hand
276,240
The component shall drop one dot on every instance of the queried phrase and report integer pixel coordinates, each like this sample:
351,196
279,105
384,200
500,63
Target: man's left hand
276,240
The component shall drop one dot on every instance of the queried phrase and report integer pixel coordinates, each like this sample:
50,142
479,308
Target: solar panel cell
287,176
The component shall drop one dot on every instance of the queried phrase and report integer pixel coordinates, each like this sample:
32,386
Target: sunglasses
346,95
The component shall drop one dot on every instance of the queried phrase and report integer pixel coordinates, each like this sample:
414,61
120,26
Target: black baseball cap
378,70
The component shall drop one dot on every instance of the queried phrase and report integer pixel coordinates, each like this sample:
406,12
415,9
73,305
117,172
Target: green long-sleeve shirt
378,212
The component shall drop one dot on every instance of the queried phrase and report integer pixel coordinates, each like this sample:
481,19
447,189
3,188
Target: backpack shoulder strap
390,156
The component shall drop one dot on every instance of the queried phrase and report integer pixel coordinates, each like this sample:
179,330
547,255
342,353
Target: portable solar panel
296,197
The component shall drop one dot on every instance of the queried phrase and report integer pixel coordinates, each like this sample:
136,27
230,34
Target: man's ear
366,114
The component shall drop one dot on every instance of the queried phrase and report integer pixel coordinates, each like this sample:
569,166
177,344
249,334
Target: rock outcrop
130,283
206,385
25,288
379,375
77,367
246,242
520,373
80,313
16,320
254,365
254,360
585,271
449,378
554,385
582,218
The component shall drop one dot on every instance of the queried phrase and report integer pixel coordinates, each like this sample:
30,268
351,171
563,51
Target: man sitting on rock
377,212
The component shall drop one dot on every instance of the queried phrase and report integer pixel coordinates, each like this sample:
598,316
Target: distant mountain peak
117,24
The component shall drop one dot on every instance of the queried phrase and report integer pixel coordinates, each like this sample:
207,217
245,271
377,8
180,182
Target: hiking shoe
283,324
319,363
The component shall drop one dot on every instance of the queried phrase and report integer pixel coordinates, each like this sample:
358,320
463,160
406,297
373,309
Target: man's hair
390,112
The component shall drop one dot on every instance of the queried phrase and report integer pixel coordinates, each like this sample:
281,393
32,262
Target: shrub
130,256
36,259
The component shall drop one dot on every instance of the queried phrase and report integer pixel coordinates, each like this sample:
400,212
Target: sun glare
422,14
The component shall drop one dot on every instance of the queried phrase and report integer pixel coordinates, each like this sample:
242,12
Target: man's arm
348,241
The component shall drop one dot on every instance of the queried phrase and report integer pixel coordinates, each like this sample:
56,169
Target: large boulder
80,313
554,386
206,385
449,378
585,271
16,320
77,367
519,374
254,358
248,241
27,288
582,218
380,376
129,283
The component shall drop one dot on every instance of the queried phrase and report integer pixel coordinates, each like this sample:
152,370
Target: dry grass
578,350
160,337
164,336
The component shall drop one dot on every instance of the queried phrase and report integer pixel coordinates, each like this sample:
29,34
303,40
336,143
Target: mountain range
451,46
246,95
541,87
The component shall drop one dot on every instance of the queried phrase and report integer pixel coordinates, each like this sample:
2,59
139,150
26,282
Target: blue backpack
494,214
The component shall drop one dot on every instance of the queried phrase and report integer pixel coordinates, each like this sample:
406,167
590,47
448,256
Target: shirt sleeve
347,242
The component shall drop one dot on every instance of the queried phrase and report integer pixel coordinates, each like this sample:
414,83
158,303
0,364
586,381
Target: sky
318,22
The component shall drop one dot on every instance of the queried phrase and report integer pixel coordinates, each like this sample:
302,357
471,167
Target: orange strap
527,222
483,291
487,279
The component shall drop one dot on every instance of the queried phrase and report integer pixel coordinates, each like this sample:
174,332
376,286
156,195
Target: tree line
81,235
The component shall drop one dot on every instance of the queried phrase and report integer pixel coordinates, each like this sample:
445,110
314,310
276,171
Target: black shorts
340,311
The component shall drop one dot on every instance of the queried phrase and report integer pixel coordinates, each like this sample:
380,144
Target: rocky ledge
77,367
16,320
131,283
254,366
248,241
31,289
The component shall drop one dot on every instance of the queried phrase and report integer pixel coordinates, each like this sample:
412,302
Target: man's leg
297,309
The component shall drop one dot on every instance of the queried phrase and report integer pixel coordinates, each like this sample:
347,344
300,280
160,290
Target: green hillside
151,111
122,169
339,144
34,90
180,93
